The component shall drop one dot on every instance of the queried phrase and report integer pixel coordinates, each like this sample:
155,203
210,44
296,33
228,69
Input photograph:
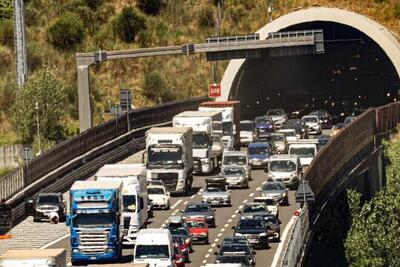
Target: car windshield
273,187
311,119
289,133
246,126
213,189
234,259
275,112
234,248
195,224
282,166
254,208
151,251
236,171
235,160
86,220
129,202
155,191
179,240
302,151
258,150
233,240
260,120
48,199
270,219
250,224
165,155
200,140
178,231
197,208
266,201
278,138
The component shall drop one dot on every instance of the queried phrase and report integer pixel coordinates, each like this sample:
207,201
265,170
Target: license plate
257,163
93,258
253,240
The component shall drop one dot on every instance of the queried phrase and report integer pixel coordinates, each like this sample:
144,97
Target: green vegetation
373,239
56,30
5,171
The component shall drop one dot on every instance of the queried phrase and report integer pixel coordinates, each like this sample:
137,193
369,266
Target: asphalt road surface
226,217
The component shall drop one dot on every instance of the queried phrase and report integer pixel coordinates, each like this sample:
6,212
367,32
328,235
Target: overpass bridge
352,158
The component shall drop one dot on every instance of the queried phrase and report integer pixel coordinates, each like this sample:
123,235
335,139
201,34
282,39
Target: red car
198,230
183,248
179,258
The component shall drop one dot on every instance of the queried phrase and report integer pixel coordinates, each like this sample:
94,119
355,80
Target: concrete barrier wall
9,156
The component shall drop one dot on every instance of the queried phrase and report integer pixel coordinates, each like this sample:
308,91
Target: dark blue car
264,127
259,154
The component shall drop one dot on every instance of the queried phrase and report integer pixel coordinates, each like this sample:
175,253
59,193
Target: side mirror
214,209
253,252
215,253
233,227
218,246
240,212
279,222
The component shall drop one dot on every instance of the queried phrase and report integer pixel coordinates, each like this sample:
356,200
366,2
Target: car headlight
238,234
203,234
210,217
284,194
109,250
263,234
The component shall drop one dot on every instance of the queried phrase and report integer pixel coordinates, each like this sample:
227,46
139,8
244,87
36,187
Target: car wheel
167,207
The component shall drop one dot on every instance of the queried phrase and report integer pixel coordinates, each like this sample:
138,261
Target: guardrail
342,153
82,155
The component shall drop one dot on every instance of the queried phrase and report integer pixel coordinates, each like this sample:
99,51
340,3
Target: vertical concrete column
85,113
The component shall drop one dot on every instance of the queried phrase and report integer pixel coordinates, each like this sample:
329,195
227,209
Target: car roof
253,204
235,153
258,144
283,157
155,186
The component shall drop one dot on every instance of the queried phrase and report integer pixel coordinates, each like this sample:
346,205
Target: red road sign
214,90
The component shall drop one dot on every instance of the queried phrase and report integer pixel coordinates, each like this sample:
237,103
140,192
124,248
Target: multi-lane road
226,217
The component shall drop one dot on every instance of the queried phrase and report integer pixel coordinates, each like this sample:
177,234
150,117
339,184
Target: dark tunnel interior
354,73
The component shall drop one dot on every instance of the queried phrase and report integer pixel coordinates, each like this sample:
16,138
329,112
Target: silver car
216,192
280,142
286,169
251,209
235,177
277,191
236,159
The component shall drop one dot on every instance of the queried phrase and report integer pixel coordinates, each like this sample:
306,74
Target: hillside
56,30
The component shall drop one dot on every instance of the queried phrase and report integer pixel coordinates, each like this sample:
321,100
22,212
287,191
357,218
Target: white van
34,257
134,195
155,247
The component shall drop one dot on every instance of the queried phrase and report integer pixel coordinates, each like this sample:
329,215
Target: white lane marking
207,255
233,215
223,229
210,250
173,214
213,245
241,207
230,220
55,241
258,188
244,201
163,225
219,235
205,261
281,244
237,211
184,203
226,225
193,196
176,204
252,194
216,240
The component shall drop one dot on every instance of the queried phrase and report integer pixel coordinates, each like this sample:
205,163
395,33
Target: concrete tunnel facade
282,81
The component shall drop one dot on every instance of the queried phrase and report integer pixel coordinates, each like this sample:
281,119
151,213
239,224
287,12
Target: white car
159,196
278,115
246,132
270,203
313,123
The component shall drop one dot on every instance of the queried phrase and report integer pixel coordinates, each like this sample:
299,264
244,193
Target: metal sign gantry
218,48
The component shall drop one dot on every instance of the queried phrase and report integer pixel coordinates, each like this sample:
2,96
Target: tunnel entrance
354,73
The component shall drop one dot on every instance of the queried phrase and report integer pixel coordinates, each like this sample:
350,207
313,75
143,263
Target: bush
35,57
150,7
128,24
6,9
206,18
397,9
155,88
66,32
6,58
32,16
94,4
7,32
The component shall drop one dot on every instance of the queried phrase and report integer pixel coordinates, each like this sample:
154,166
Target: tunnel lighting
355,103
355,79
342,114
353,68
332,104
388,94
247,106
267,98
258,102
394,100
279,94
359,97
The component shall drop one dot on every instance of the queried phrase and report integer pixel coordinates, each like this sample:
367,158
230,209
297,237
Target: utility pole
38,126
20,42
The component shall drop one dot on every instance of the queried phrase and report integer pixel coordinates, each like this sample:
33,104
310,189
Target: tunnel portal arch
369,28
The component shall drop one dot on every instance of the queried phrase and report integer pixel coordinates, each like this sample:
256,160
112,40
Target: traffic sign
116,110
214,90
125,98
26,153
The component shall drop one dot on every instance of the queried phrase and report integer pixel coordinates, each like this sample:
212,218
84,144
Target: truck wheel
188,185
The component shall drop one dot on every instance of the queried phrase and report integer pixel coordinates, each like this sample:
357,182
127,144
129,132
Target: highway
226,218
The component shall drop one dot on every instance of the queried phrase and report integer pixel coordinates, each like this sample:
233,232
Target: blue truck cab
95,221
259,154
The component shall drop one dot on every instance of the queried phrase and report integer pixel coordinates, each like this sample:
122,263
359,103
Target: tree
129,23
155,88
150,7
66,32
6,9
49,93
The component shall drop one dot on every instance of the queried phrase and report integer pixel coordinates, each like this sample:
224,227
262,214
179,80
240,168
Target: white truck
205,159
134,195
34,257
169,157
305,149
155,247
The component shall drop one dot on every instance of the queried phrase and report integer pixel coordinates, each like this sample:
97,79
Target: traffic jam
112,211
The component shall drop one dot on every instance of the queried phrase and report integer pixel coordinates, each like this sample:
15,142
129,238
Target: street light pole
38,126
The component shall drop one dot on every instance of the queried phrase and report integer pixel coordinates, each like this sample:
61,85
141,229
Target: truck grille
92,241
170,180
127,221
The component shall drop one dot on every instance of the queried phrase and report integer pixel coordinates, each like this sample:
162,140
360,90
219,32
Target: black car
195,210
244,260
298,126
324,117
323,140
273,226
45,204
230,246
255,230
